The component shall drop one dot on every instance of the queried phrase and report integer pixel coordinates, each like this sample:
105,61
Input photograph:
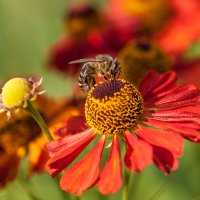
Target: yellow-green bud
15,92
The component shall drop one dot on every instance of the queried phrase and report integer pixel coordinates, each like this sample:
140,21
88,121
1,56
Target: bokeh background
27,29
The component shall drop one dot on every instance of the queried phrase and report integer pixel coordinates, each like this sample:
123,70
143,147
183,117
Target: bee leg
106,78
87,88
93,81
101,72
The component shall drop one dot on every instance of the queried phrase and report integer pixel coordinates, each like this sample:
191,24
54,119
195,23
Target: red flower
186,14
152,122
167,21
84,39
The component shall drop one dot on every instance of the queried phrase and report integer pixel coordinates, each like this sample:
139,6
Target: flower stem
76,198
26,189
38,118
125,192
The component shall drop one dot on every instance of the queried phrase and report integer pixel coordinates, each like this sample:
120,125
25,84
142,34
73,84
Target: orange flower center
113,106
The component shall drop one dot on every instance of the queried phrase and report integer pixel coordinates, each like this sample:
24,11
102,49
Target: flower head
107,100
84,27
151,120
140,56
17,91
186,15
81,19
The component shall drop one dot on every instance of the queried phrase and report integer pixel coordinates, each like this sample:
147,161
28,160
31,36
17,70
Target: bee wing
84,60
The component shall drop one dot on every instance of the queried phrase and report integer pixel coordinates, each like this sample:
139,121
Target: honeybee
103,65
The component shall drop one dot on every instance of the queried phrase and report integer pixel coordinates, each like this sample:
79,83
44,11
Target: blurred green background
27,29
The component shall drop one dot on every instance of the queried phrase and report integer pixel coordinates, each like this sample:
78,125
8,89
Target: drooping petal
83,174
170,141
164,159
111,175
187,130
53,172
68,152
56,146
139,153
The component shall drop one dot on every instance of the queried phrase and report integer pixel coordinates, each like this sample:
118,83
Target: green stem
26,189
40,121
125,192
160,191
38,118
76,198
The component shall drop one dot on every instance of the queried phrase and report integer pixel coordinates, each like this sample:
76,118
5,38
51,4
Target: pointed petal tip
111,176
139,154
85,173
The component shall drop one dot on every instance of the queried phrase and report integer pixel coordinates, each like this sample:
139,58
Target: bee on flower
152,121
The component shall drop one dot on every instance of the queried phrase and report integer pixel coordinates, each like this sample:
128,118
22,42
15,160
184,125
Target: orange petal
56,146
139,153
38,156
111,175
65,150
170,141
83,174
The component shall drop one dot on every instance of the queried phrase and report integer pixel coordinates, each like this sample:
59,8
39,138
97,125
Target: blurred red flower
182,29
173,24
84,25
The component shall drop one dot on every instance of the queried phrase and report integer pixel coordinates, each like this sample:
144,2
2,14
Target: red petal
138,154
187,130
149,82
68,152
111,175
177,96
165,82
182,113
56,146
53,172
83,174
164,159
170,141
